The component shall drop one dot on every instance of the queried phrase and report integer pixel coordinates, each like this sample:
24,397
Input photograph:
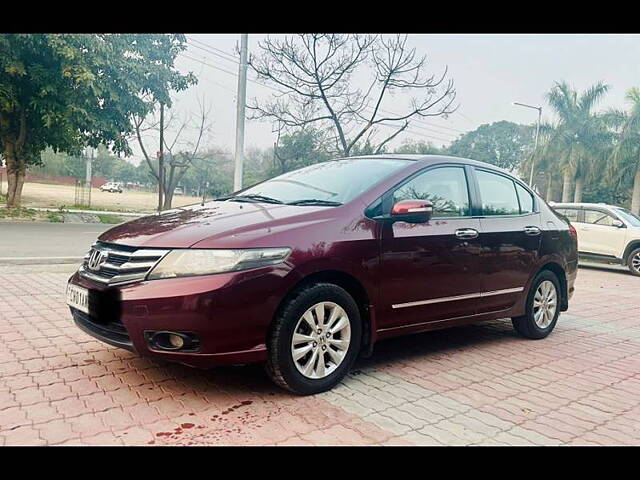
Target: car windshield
630,217
329,183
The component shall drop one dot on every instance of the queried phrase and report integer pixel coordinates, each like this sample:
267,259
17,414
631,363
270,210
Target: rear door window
526,200
570,213
498,194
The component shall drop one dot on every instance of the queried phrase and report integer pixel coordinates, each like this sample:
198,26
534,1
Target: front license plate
78,297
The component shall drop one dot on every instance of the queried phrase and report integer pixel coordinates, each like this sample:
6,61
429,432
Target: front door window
445,187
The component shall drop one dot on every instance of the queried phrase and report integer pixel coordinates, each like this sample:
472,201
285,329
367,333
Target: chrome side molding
458,297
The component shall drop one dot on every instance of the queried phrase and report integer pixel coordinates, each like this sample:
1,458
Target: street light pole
535,142
240,105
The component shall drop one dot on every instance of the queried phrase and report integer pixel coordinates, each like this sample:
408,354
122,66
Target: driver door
430,270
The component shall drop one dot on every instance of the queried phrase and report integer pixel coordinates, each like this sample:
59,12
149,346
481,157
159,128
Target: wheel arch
633,244
348,282
559,272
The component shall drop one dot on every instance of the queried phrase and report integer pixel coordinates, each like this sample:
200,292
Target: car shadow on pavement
239,380
437,343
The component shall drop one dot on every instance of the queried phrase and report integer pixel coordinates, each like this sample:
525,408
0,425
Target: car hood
226,224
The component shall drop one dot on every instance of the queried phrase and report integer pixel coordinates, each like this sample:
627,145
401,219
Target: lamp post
535,143
240,107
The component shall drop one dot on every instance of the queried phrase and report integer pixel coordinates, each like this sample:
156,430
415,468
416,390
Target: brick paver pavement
477,385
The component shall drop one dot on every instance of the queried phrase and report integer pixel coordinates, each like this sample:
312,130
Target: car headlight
189,262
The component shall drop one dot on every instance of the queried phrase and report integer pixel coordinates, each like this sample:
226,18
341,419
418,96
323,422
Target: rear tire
633,262
294,362
542,307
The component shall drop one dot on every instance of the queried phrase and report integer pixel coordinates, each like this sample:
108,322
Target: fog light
176,341
172,341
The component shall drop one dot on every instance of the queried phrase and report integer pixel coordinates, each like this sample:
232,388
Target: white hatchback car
606,233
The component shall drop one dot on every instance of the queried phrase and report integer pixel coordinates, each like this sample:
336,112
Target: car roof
582,204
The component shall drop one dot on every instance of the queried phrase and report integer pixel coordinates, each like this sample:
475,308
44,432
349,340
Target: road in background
54,195
22,242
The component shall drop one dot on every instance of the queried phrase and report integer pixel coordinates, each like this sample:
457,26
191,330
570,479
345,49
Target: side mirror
412,211
618,223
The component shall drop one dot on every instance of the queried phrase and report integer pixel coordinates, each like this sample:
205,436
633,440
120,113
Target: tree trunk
577,195
168,198
170,187
549,193
635,196
16,171
566,186
167,191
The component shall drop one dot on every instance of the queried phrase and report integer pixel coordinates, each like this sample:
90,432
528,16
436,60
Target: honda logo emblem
96,259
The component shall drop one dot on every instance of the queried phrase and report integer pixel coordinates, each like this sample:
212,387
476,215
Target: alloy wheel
545,303
635,262
321,340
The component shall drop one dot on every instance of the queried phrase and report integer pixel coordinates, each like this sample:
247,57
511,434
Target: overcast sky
489,71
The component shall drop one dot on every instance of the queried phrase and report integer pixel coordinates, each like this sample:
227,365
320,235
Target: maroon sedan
309,269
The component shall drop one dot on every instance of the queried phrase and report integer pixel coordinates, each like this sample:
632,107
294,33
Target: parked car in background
606,233
309,269
178,191
112,187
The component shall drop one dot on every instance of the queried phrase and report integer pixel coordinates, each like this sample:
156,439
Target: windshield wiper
252,198
316,201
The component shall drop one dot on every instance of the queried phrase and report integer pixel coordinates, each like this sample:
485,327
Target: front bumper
230,314
113,333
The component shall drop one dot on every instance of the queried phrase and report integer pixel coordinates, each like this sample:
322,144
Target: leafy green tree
299,149
104,164
66,91
546,163
211,173
504,144
604,192
53,163
410,146
626,152
366,148
579,136
258,165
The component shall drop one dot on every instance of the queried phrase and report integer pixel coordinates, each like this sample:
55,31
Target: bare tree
313,74
180,153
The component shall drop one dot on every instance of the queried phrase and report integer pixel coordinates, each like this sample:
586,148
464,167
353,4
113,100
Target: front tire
542,307
633,262
314,340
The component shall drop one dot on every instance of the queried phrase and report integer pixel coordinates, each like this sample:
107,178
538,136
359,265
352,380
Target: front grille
113,264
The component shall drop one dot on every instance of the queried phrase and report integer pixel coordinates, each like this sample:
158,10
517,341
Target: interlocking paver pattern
473,385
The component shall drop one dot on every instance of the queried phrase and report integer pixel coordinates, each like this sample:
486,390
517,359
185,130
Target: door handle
532,230
466,233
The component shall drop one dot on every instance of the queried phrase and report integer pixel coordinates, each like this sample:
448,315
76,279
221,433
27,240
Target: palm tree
578,135
626,152
545,159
